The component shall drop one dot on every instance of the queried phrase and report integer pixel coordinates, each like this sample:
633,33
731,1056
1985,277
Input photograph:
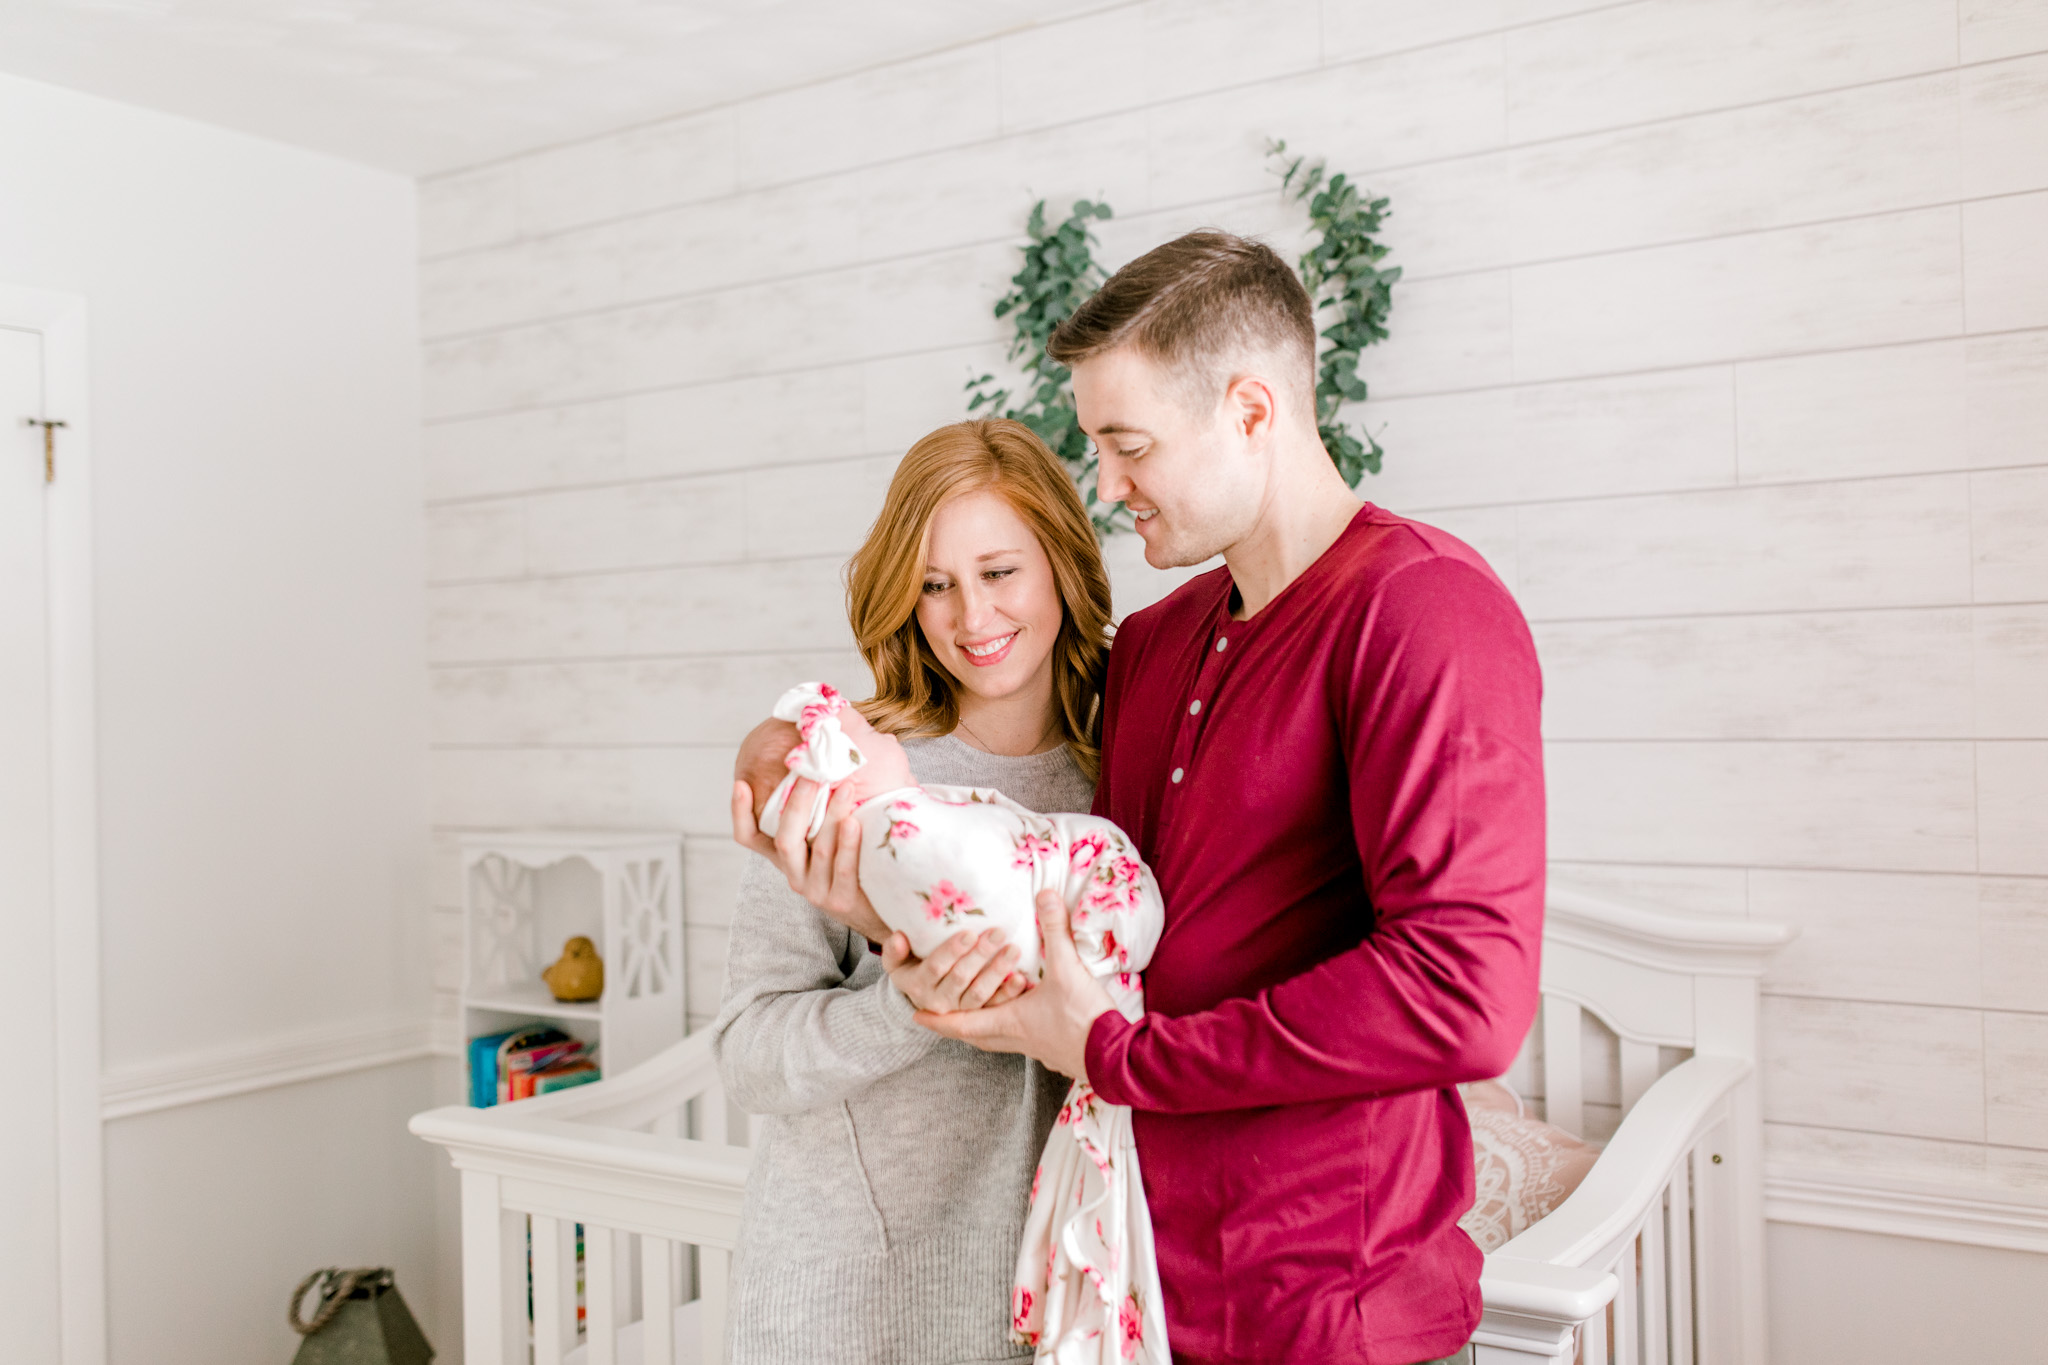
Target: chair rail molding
242,1068
1899,1206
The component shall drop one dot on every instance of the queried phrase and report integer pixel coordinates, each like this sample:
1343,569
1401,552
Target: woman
890,1181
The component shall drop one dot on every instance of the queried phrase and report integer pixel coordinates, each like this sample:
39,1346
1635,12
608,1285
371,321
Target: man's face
1186,469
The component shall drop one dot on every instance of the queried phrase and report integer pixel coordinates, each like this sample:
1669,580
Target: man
1328,751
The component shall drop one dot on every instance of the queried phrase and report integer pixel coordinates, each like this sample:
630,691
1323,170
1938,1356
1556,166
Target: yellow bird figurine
580,973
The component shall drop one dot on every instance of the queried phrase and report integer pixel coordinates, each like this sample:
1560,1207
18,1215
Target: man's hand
825,872
1049,1022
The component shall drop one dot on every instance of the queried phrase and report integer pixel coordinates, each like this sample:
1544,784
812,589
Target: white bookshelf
525,893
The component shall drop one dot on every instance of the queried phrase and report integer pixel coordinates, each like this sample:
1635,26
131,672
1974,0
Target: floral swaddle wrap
936,860
962,857
825,756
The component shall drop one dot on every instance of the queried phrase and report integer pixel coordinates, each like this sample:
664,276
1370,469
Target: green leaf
1058,273
1340,268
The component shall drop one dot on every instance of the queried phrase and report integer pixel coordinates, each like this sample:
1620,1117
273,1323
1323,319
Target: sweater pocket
879,1224
808,1195
951,1142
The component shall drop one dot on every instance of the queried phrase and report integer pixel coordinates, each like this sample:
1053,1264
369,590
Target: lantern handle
333,1294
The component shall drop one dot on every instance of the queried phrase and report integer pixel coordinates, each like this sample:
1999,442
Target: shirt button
1177,774
1221,642
1196,709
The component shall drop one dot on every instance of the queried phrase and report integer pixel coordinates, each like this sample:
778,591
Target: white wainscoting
2010,1220
199,1076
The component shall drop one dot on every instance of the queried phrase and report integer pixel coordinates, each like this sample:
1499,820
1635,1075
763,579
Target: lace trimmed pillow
1524,1166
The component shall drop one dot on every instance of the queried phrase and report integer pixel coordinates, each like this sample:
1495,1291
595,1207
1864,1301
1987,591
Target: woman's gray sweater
886,1201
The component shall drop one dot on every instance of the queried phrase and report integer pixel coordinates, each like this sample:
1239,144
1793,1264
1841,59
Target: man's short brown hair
1197,305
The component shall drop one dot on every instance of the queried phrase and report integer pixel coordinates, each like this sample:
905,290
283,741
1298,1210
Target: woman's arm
791,1033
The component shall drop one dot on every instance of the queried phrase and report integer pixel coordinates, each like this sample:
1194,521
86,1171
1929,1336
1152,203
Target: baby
936,860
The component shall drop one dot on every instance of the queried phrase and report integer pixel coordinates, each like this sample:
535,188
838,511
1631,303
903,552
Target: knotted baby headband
825,756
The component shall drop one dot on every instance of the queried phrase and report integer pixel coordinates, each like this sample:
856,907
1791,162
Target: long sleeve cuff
895,1011
1109,1043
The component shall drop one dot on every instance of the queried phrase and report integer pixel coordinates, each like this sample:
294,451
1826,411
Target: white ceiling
429,85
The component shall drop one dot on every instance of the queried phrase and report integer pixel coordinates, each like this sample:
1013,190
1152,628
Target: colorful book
578,1072
487,1054
483,1066
521,1056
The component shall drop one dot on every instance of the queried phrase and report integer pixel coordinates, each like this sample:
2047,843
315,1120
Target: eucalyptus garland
1059,272
1343,275
1340,269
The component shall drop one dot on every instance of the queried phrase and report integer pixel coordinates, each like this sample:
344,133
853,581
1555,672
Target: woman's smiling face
990,608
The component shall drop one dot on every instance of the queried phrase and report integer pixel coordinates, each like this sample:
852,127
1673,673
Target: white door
28,1095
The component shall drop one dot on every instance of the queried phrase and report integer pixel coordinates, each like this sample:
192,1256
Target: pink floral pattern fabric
947,904
825,756
937,859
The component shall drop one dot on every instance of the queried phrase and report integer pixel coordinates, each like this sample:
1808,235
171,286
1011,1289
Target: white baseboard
239,1070
1973,1215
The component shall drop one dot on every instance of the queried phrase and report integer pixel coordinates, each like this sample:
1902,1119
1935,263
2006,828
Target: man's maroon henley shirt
1342,798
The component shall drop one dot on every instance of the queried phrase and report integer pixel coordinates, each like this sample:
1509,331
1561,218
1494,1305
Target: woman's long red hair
914,694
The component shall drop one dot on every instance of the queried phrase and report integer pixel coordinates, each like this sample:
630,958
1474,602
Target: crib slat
658,1263
554,1289
1656,1288
1678,1250
1708,1282
601,1295
1563,1090
625,1278
1627,1332
493,1275
714,1292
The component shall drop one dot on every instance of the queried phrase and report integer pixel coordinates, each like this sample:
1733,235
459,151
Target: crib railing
645,1166
1655,1260
1640,1264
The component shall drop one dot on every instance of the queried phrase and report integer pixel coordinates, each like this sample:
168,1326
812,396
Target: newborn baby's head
772,748
764,759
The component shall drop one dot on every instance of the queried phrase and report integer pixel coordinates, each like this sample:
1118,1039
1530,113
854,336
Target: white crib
1657,1259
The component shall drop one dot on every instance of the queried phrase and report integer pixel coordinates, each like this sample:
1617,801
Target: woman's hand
826,871
1049,1022
966,972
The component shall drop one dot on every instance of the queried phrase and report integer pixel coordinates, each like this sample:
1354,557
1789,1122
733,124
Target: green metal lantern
362,1320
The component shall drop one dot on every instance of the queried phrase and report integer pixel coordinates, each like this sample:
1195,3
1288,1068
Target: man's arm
1442,730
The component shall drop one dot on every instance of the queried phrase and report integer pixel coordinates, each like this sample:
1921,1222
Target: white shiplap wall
1724,336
